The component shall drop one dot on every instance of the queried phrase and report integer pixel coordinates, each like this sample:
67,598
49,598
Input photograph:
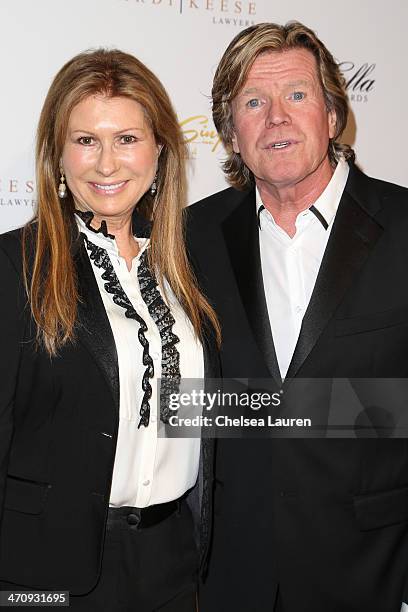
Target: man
304,259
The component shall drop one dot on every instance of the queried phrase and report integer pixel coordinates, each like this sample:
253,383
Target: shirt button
153,418
298,309
146,483
155,355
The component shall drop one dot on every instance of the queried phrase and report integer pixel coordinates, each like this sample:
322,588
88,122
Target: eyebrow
129,129
252,90
295,83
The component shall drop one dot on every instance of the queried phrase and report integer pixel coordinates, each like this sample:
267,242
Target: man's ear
332,122
235,145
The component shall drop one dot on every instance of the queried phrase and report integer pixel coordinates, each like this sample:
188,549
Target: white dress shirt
148,469
290,265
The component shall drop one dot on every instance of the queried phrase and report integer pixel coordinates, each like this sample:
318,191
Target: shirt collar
326,205
105,240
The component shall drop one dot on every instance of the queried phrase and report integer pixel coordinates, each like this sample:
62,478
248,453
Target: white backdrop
182,41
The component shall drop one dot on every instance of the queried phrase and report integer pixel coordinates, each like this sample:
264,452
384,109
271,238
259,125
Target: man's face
281,124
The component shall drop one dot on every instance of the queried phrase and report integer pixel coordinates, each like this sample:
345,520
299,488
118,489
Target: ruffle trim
87,217
163,319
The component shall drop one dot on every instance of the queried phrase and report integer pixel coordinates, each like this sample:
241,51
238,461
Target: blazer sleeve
11,334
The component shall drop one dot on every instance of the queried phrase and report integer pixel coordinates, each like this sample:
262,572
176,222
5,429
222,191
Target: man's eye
85,140
128,139
297,96
253,103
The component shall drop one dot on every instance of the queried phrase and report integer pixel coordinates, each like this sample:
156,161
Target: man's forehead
293,65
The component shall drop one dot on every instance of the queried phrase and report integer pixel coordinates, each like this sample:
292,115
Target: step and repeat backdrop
182,42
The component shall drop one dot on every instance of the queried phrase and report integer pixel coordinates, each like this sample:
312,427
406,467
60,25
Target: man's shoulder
387,189
381,188
216,207
384,200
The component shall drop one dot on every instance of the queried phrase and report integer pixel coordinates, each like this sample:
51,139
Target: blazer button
133,519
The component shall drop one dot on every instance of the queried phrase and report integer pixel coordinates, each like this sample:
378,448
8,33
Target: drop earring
153,186
62,188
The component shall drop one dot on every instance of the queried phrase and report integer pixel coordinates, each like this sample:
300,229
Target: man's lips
281,144
108,188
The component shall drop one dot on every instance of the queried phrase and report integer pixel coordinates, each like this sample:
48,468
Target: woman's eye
128,139
253,103
298,96
85,140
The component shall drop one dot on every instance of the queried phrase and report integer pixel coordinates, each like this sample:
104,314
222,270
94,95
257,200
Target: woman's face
110,156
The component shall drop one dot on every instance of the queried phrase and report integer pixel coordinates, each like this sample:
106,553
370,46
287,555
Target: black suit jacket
58,432
323,521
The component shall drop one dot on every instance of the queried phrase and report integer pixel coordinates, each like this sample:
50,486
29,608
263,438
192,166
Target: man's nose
108,161
277,114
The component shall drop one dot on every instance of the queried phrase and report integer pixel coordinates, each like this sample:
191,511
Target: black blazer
324,521
58,432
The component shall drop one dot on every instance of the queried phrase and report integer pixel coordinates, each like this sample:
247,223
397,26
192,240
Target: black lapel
93,328
212,367
241,236
352,238
212,372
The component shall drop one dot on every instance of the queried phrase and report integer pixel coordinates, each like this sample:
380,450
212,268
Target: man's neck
285,202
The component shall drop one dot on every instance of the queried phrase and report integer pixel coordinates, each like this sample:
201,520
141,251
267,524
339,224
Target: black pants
143,570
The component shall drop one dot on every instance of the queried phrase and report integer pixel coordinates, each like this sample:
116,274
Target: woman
93,313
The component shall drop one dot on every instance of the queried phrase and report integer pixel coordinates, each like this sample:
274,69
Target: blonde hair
232,73
52,284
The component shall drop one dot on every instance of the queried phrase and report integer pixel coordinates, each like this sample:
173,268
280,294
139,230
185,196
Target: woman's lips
108,188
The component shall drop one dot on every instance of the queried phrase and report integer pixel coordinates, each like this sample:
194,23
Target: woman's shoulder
11,243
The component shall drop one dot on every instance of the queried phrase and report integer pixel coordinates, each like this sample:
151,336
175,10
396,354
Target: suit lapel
202,496
241,236
354,235
93,328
